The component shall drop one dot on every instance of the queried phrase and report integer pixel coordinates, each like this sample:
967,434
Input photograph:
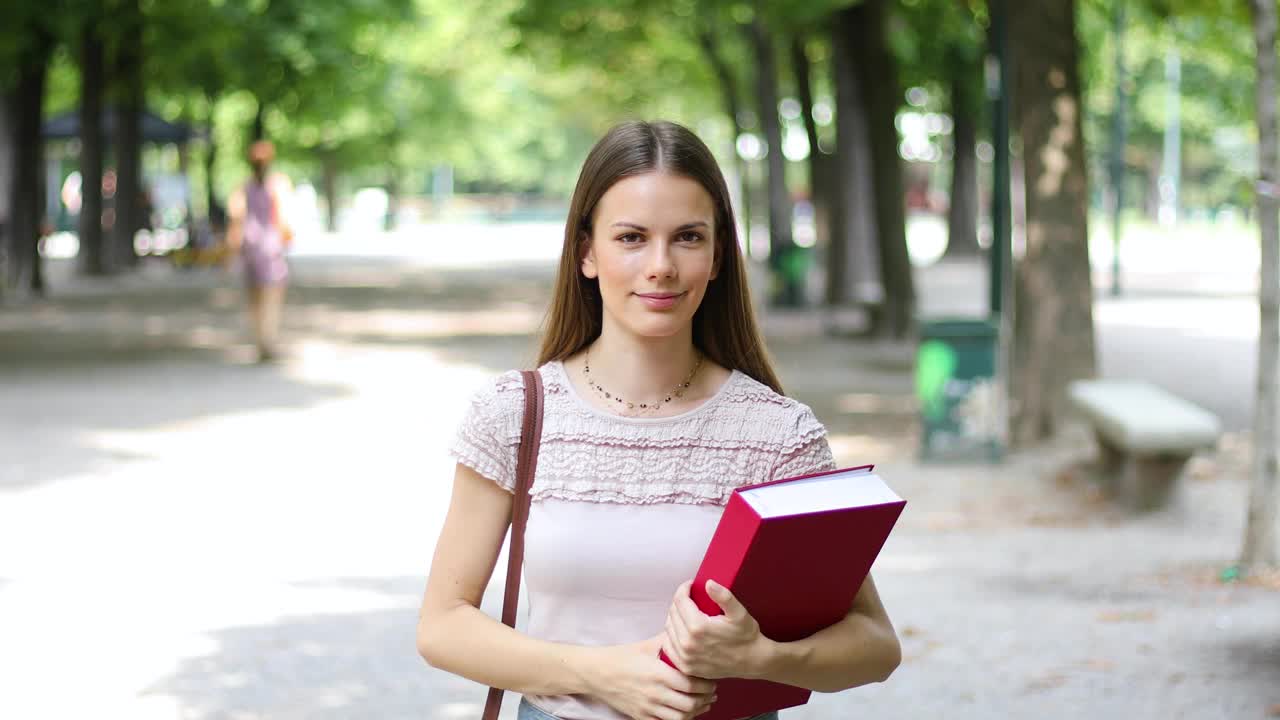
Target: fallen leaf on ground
1127,615
1047,682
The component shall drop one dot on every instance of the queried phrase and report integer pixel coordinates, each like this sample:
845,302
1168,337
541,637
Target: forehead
656,197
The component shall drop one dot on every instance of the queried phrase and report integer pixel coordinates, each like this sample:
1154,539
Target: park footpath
188,535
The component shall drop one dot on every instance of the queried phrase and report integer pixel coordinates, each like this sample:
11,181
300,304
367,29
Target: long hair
724,327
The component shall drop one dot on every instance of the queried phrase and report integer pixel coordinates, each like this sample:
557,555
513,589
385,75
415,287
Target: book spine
733,537
858,470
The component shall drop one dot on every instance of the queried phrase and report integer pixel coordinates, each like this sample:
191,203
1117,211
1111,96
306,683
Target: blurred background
953,210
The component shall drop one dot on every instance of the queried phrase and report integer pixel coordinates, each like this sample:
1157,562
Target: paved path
186,535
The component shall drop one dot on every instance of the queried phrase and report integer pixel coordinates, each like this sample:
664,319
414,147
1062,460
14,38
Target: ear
587,250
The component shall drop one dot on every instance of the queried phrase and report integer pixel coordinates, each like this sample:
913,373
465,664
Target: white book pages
827,492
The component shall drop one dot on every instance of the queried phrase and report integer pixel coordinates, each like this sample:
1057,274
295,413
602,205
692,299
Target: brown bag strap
526,466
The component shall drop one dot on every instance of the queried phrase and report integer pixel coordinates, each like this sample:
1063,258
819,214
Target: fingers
687,684
681,705
677,634
682,591
733,609
685,696
666,713
688,618
688,608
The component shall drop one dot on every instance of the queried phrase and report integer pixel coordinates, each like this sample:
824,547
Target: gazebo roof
154,128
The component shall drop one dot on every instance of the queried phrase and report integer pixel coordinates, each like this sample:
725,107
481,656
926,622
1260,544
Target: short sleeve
806,450
489,436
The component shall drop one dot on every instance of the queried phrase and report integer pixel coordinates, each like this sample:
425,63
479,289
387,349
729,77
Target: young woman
259,235
659,401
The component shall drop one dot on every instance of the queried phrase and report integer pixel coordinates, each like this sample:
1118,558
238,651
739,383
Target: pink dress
262,249
623,508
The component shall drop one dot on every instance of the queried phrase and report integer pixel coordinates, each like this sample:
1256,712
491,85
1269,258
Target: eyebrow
641,228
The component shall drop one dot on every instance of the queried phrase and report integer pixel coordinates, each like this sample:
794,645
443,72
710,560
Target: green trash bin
956,387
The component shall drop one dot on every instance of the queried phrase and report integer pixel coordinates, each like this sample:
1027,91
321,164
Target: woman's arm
454,635
862,648
235,219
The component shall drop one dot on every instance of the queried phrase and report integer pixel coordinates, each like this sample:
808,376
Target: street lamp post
999,81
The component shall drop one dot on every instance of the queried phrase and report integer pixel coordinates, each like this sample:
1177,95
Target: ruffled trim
685,496
489,435
746,434
484,465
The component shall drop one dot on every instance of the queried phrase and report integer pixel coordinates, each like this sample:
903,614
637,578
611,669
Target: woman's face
652,249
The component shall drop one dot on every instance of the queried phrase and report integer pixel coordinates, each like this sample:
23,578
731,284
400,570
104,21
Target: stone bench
1145,437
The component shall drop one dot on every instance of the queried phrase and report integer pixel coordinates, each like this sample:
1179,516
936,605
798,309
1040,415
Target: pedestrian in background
258,235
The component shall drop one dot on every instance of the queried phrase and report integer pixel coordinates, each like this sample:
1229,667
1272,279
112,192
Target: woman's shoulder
490,428
499,389
498,401
770,404
797,433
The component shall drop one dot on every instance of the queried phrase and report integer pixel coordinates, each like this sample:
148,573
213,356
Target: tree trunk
878,76
215,213
27,191
329,168
1151,198
1053,340
962,210
93,256
8,154
1260,541
853,266
781,245
259,131
128,137
733,108
818,196
393,198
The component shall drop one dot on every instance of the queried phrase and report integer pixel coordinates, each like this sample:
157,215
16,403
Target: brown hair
724,327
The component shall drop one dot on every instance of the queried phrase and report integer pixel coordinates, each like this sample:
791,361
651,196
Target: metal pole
1000,82
999,87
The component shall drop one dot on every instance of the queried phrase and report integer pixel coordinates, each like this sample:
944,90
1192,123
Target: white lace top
623,508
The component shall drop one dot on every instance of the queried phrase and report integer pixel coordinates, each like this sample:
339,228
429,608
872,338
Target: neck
642,368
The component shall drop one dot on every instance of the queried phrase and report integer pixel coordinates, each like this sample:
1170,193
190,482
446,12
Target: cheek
706,265
619,267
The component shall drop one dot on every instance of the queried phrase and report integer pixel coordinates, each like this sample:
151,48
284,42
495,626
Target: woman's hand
634,681
728,645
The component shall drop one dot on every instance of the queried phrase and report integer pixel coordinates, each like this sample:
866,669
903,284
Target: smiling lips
659,301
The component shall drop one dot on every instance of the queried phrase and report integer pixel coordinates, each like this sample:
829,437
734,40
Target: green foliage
1212,41
511,93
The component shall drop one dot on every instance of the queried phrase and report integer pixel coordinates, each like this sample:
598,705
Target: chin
658,327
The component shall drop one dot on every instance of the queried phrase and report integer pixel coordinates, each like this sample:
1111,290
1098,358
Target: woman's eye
690,237
630,238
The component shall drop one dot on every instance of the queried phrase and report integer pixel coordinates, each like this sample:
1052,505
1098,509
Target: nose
661,263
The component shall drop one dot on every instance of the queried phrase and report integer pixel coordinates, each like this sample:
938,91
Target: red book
794,552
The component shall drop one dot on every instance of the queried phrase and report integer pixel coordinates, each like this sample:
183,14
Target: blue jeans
529,712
